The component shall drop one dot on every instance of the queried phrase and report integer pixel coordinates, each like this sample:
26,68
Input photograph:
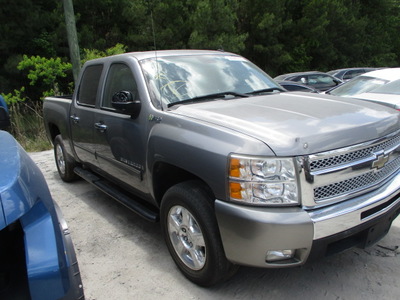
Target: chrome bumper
248,233
348,214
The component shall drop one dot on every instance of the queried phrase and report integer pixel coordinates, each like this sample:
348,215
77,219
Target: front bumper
248,233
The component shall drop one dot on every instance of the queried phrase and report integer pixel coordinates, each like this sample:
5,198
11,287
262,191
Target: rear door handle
100,127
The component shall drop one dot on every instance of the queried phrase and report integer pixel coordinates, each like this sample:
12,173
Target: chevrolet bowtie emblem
380,161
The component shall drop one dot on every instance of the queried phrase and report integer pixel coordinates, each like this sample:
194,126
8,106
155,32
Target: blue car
4,114
37,258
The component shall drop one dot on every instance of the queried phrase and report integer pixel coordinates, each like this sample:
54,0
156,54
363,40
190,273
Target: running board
108,188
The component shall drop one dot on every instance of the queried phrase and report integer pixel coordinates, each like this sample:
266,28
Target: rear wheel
65,163
190,230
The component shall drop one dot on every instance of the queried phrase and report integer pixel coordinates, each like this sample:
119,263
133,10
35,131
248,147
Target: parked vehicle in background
4,114
366,82
349,73
317,80
292,86
387,94
237,170
37,257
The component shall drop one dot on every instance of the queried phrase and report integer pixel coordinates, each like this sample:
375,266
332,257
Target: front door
118,137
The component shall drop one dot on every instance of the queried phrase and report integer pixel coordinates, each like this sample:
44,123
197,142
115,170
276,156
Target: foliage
280,36
45,70
27,126
32,28
16,97
26,121
214,26
94,53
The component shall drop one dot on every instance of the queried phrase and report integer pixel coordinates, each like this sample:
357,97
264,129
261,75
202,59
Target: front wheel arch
189,205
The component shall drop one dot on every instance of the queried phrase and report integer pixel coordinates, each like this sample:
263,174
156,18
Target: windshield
358,85
179,78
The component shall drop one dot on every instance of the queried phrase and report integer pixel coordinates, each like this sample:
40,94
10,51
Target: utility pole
72,38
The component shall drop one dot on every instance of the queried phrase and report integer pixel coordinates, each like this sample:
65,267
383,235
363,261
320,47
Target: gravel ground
122,257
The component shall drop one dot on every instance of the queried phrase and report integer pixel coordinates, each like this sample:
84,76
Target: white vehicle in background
388,94
366,82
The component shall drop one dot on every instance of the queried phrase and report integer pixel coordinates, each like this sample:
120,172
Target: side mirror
125,102
337,81
4,118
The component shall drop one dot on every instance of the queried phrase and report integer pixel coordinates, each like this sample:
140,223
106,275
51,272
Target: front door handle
74,119
100,127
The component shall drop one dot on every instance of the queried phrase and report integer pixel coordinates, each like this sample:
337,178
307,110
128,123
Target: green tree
94,53
43,73
264,21
214,26
32,28
382,31
101,24
332,34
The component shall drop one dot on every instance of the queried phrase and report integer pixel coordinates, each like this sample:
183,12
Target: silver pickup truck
237,170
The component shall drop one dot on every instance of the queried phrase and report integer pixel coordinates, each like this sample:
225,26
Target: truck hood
299,123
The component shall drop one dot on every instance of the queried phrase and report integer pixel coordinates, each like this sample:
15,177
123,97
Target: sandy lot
121,256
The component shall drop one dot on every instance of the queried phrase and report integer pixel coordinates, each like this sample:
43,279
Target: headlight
263,181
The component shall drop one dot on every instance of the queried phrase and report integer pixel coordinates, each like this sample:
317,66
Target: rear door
82,114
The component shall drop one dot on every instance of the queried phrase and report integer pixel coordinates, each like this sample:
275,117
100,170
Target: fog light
277,255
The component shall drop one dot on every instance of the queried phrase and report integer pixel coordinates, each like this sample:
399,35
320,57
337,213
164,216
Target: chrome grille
338,160
356,183
338,175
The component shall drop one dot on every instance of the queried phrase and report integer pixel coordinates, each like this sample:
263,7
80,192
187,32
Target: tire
64,162
191,233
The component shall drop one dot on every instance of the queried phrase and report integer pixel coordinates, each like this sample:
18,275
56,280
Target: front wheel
65,164
191,233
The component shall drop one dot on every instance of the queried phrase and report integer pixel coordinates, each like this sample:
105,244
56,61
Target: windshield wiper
268,90
208,97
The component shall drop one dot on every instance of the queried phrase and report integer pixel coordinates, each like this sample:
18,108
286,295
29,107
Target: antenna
154,33
155,52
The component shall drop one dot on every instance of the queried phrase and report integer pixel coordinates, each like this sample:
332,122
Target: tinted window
119,78
320,79
353,73
89,85
302,79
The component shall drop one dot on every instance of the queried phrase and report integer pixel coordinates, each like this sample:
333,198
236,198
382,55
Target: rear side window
89,85
353,73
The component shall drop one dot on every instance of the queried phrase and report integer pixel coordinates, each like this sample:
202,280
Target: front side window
119,78
302,79
178,78
89,85
320,79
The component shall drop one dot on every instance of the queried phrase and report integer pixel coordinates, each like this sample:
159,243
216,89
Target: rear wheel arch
53,131
64,162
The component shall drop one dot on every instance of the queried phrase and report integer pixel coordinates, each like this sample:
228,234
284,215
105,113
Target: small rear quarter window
89,85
